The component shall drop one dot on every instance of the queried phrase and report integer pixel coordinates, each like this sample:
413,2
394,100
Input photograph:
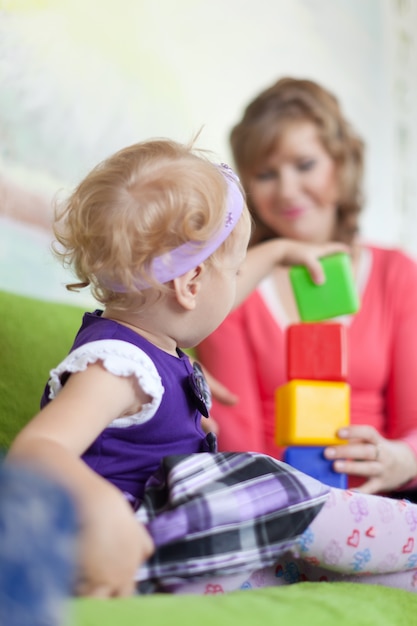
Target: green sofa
34,335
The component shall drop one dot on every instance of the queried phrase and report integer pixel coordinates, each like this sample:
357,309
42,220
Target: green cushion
34,336
305,604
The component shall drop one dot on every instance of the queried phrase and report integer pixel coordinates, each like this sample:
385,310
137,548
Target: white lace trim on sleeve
122,359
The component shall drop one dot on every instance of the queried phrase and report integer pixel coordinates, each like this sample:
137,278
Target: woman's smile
293,212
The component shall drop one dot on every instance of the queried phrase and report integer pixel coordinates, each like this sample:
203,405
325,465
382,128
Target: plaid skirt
212,514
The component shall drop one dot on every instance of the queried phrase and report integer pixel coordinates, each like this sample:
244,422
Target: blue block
310,460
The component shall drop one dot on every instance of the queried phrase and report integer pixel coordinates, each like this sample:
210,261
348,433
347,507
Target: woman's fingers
354,451
387,464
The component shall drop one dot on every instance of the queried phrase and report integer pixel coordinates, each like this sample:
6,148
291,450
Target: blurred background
82,78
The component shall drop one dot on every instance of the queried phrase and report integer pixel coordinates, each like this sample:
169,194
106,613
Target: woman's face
295,190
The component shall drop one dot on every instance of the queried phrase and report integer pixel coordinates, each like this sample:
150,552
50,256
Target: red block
317,352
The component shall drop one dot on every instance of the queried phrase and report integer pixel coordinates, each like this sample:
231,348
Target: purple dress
208,513
128,456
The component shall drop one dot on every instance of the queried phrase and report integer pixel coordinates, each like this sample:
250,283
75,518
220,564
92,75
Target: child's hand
112,546
300,253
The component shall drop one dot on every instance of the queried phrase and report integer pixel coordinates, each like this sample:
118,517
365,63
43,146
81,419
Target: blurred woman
301,165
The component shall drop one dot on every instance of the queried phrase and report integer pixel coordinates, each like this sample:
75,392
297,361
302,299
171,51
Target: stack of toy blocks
315,402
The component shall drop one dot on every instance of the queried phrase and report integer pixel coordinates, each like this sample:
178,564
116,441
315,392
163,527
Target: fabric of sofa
34,336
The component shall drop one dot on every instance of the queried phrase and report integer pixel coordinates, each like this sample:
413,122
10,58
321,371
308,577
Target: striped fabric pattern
223,513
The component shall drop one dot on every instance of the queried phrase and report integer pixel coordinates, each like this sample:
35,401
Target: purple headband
180,260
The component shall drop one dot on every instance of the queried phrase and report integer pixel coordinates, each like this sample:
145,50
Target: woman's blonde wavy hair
266,118
139,203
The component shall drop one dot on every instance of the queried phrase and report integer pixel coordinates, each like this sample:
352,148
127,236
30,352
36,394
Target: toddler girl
160,234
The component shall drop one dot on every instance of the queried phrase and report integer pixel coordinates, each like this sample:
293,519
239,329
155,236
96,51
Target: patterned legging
355,537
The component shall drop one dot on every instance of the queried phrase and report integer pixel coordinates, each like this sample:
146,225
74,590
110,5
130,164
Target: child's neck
146,328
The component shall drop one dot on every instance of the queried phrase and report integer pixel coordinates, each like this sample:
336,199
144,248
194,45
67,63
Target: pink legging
355,537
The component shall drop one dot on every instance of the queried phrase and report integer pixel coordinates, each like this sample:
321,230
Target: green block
336,296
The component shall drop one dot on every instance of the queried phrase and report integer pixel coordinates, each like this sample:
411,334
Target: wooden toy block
309,412
336,296
317,351
310,460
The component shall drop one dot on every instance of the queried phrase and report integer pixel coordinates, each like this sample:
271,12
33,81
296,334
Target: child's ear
187,287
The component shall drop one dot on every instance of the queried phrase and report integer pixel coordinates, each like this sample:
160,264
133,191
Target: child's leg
356,534
291,570
211,586
258,579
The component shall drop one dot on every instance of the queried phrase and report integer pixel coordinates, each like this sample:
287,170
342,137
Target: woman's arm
262,258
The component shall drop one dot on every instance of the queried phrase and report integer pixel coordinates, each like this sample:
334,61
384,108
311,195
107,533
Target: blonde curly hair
138,204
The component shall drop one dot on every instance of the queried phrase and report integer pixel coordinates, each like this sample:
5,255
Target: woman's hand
222,394
300,253
262,258
385,464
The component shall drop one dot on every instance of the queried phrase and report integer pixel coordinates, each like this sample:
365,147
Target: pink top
247,354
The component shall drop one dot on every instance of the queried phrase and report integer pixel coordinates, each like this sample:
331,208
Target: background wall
82,78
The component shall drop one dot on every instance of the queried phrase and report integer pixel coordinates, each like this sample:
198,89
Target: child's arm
112,542
262,258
